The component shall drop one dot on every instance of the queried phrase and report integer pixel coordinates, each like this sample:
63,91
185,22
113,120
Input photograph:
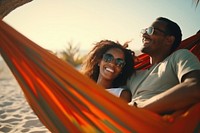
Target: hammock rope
66,101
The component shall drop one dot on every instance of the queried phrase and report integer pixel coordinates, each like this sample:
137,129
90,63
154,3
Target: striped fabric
66,101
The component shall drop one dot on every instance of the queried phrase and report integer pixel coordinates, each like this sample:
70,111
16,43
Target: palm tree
72,55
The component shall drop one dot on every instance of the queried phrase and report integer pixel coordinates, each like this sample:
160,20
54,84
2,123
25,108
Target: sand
16,116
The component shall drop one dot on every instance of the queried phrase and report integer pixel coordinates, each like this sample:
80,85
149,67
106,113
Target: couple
171,83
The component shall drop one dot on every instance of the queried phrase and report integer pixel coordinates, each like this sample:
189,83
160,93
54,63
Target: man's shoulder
182,53
184,57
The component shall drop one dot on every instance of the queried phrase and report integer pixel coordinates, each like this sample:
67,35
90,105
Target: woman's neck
104,83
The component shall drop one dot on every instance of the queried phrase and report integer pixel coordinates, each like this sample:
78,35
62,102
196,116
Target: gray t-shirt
160,77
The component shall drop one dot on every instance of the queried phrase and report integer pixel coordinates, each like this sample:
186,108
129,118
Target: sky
53,24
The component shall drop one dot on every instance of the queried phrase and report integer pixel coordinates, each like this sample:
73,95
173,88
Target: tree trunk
6,6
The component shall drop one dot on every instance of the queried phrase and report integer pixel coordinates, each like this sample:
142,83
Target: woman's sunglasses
118,61
151,30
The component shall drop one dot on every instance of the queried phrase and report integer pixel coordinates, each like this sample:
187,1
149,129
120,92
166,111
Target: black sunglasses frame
150,30
110,58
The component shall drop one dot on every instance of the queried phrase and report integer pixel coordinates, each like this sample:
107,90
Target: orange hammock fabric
66,101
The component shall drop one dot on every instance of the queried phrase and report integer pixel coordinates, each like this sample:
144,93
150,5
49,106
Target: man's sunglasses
118,61
151,30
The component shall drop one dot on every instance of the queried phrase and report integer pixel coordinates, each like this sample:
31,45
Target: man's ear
170,40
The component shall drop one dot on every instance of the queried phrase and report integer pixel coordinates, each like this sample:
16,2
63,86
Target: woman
110,65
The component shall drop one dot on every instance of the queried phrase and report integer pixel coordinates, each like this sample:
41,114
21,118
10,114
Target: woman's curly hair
91,68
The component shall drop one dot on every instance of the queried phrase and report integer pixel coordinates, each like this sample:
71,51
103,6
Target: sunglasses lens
120,62
143,31
150,30
108,57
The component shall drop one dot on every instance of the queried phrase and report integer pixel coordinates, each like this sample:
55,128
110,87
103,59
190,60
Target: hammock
66,101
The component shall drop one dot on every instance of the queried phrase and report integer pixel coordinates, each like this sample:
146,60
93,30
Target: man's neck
158,58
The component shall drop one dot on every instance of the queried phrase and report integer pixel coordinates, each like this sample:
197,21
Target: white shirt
115,91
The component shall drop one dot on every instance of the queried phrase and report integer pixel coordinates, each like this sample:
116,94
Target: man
173,80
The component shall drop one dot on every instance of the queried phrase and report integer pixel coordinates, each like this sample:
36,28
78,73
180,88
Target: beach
16,116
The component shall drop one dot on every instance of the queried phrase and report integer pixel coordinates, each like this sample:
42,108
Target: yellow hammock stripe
66,101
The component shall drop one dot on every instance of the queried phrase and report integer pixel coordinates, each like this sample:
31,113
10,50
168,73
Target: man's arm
178,97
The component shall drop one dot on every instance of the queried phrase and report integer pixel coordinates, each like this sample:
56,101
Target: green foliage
72,55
